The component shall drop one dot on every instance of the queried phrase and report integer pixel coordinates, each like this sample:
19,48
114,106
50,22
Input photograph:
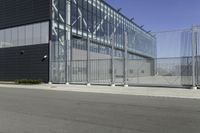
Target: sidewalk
143,91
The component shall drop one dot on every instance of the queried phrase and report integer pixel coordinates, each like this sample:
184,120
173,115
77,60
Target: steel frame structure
96,24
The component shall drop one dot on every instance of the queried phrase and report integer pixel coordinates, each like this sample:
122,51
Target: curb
131,91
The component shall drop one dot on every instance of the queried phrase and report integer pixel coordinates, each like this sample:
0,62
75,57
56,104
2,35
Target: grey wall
29,65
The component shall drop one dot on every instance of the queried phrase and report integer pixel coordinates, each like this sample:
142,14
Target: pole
88,61
68,40
112,62
66,63
125,60
194,52
50,62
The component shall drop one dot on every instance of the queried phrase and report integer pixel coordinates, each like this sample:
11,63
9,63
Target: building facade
64,41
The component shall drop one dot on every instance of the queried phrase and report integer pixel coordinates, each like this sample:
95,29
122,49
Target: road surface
43,111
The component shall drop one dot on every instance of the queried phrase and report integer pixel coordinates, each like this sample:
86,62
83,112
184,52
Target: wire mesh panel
57,65
175,43
100,71
139,68
79,71
186,71
164,71
57,72
119,71
173,66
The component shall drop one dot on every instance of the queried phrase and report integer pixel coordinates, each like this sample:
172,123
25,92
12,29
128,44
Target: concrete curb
7,83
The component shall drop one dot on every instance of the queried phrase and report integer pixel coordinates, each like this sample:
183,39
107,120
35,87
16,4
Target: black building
71,34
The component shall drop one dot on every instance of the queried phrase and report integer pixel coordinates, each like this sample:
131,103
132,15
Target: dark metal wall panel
29,65
19,12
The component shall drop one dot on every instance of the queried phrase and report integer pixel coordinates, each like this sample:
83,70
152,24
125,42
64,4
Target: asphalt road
41,111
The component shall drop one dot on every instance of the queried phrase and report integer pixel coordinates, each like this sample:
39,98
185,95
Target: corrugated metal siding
19,12
14,65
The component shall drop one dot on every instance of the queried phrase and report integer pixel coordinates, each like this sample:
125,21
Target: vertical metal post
50,62
194,52
112,61
155,72
66,63
68,38
88,62
65,42
71,60
125,60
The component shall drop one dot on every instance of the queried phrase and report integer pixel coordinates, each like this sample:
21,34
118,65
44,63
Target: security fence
177,62
153,72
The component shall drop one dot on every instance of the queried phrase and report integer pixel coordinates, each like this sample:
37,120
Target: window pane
25,35
29,34
1,38
44,32
21,35
36,34
14,36
8,38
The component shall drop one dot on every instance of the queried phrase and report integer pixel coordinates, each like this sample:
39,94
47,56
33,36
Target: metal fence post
71,61
50,62
88,62
112,62
68,38
125,60
194,53
66,63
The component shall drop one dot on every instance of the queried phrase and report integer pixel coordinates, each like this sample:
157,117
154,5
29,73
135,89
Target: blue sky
159,15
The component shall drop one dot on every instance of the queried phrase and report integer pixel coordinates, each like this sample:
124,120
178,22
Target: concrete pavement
142,91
